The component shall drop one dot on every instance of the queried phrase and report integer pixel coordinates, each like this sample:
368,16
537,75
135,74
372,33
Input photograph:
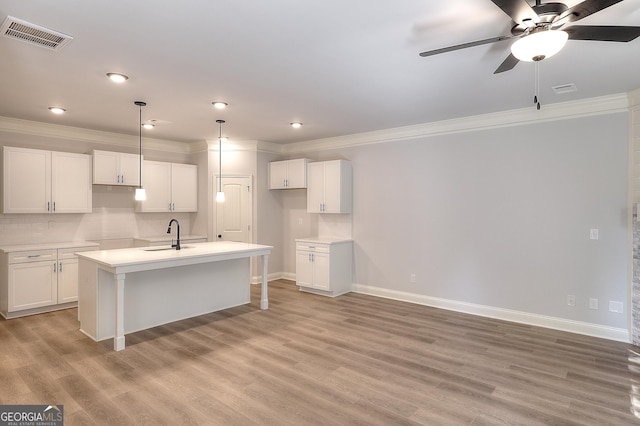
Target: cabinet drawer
315,247
32,256
69,253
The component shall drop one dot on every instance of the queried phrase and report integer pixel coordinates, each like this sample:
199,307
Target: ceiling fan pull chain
536,97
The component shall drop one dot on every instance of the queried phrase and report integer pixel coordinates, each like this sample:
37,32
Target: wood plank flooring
311,360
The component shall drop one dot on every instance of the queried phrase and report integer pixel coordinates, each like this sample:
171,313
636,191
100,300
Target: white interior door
233,216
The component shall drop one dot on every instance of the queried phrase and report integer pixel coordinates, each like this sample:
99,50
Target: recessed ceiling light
117,77
296,124
148,125
220,105
57,110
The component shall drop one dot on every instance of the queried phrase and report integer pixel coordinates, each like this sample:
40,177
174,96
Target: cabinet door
67,280
321,271
297,173
32,285
105,168
315,187
27,180
184,187
277,174
332,187
129,169
70,183
156,180
304,269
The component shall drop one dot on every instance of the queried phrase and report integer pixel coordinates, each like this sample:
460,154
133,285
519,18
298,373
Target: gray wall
497,217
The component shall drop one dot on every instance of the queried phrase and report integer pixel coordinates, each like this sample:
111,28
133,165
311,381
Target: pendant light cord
220,154
140,105
140,151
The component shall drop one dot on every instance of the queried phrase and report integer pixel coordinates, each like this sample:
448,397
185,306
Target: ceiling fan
539,30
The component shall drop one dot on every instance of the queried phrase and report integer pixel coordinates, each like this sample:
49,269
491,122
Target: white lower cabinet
38,280
32,285
323,266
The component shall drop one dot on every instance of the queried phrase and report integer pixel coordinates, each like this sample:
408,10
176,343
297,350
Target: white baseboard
589,329
257,279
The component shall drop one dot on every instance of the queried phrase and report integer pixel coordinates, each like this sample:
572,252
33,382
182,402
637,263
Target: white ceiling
340,67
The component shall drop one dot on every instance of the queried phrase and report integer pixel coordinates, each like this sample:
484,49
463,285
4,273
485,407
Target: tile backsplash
113,218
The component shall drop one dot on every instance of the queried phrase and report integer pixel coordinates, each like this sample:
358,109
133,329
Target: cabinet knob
219,235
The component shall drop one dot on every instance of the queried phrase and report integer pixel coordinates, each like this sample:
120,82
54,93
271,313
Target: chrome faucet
177,244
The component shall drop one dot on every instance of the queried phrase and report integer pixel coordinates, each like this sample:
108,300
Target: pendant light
141,195
220,194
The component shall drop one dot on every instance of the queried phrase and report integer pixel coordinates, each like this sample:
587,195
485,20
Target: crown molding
519,117
634,98
68,133
247,145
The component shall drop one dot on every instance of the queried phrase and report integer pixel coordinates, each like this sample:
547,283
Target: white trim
257,279
589,329
68,133
552,112
245,145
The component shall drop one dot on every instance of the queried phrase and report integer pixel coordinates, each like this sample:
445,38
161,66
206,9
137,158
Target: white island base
162,286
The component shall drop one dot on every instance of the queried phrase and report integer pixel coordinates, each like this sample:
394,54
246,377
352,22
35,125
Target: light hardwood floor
311,360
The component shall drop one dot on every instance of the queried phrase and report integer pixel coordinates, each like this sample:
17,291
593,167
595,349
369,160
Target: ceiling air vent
564,88
34,34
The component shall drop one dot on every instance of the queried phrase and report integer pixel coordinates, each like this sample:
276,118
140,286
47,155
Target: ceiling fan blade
518,10
507,64
584,9
602,32
464,45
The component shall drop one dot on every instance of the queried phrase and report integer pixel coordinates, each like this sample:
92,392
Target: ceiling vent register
34,34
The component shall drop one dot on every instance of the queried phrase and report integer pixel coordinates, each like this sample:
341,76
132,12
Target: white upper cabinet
115,168
170,187
38,181
288,174
329,187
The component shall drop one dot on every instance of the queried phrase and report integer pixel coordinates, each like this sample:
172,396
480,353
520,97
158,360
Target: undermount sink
162,248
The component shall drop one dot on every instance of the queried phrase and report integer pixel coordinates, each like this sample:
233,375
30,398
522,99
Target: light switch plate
593,234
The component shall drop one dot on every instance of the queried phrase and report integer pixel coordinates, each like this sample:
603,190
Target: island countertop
164,285
155,257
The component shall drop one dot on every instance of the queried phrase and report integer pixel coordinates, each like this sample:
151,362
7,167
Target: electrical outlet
299,221
412,278
571,300
593,303
593,234
616,307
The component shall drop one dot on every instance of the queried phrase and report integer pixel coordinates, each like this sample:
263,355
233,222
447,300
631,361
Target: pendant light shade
141,195
539,45
220,194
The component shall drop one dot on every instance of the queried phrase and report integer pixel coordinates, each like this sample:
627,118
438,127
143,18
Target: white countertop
144,258
47,246
168,237
323,240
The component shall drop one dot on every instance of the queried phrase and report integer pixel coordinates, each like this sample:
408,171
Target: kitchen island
127,290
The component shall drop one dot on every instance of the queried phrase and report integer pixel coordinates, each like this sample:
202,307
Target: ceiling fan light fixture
539,45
